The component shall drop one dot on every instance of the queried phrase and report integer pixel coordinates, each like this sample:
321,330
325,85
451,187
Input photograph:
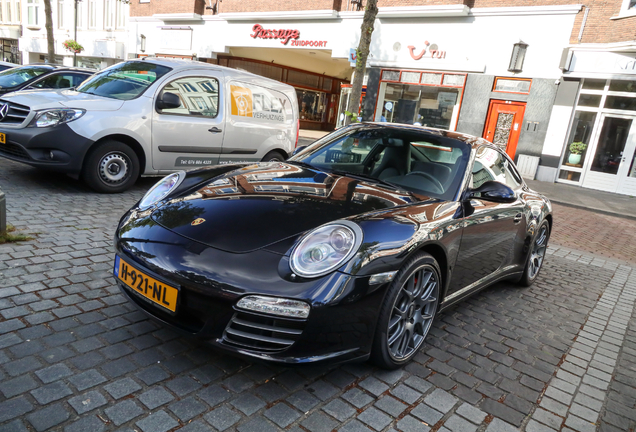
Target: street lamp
517,57
75,37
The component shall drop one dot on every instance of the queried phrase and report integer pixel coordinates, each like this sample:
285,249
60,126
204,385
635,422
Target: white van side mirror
168,100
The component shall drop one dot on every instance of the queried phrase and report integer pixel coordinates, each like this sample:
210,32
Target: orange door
503,124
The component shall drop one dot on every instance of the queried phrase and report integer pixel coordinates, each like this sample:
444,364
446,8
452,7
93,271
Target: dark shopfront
317,94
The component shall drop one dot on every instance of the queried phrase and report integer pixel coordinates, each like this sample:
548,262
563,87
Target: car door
192,134
491,230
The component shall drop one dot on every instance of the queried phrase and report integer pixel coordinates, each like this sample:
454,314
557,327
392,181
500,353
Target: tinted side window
492,165
199,96
60,81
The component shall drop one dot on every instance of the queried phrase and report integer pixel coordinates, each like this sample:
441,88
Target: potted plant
73,46
576,150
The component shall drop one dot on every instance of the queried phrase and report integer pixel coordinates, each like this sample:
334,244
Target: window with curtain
109,14
92,14
81,19
121,14
18,12
9,17
33,10
60,14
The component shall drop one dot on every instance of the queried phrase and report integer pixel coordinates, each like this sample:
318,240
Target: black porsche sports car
345,251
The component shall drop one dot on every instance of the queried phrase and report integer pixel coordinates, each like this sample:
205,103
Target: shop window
623,86
410,77
431,78
326,84
570,175
579,140
426,105
453,80
195,95
620,103
594,84
390,75
588,100
312,105
509,85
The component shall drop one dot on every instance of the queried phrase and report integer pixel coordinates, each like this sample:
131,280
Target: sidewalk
588,199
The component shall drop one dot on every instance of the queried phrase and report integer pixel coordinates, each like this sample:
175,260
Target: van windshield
16,76
125,81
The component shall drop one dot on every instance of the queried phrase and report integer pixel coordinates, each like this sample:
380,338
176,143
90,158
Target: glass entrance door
611,169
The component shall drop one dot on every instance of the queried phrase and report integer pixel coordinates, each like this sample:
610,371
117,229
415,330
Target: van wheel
274,156
111,167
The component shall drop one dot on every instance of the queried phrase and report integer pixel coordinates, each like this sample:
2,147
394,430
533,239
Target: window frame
33,5
494,85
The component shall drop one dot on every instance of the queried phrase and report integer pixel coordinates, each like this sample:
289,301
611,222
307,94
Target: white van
150,117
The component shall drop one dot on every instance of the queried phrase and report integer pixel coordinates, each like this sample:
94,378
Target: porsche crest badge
197,221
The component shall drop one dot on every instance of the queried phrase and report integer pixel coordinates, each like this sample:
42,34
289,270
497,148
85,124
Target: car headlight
161,189
56,117
326,248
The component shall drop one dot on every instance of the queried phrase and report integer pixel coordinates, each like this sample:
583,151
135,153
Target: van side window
199,96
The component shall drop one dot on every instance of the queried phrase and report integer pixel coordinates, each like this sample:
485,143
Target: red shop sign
285,35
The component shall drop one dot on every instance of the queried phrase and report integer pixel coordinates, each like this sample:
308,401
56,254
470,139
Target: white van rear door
191,135
259,120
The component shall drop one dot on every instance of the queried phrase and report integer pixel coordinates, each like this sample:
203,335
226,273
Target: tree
362,53
50,41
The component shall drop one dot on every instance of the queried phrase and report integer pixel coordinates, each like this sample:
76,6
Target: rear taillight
297,132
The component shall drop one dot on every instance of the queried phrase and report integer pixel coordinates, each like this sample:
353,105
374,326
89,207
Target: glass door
612,162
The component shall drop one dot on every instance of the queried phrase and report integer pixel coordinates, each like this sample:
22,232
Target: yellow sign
241,101
197,221
155,291
3,138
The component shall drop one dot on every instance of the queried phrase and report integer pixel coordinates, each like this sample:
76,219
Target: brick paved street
75,356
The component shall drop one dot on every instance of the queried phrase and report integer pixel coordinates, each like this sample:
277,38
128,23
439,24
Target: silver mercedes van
150,117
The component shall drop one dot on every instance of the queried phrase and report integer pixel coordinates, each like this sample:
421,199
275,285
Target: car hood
47,99
258,205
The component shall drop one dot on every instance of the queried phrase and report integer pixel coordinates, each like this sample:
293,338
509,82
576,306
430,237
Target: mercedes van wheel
111,167
274,156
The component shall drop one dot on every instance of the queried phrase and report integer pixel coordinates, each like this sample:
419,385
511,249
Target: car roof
60,67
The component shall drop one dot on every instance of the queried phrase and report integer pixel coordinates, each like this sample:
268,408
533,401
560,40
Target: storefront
598,149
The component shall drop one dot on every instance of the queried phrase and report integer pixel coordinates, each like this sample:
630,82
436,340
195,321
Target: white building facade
101,30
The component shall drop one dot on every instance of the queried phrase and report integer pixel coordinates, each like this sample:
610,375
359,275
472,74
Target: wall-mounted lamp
142,48
518,55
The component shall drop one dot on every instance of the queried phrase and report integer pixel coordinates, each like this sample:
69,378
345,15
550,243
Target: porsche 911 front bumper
341,321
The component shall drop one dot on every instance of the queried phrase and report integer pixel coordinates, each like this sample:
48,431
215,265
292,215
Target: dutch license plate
157,292
3,138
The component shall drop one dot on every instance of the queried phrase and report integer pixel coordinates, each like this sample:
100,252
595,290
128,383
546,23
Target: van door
192,134
259,120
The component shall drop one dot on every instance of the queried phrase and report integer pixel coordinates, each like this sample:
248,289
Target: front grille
16,114
14,150
262,333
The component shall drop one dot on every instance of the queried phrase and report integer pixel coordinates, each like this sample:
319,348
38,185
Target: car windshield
125,81
16,76
419,160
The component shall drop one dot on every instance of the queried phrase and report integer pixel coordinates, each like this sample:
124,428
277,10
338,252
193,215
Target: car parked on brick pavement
150,117
345,251
42,77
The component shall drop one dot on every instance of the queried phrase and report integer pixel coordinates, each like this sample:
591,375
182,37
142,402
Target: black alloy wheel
111,167
273,156
536,255
408,312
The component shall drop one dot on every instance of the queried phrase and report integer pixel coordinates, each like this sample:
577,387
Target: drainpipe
587,11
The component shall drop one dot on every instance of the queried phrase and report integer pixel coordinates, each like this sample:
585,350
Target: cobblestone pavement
75,356
600,234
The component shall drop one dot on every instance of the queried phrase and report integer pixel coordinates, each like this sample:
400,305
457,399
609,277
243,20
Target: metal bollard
3,213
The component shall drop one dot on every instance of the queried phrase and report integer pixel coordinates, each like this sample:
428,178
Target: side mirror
298,150
168,100
493,191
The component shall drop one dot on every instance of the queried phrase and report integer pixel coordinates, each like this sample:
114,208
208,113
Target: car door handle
215,130
517,218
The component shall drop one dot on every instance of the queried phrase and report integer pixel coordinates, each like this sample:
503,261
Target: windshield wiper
300,163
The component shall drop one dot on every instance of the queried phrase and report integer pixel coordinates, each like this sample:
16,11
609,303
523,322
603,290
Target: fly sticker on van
257,103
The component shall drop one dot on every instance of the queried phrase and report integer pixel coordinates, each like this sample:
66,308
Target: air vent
16,114
14,150
262,333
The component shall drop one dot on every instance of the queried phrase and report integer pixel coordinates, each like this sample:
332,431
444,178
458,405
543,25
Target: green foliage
8,237
73,46
577,147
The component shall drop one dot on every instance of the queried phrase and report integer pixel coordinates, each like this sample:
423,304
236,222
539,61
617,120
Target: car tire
536,255
408,311
111,167
274,156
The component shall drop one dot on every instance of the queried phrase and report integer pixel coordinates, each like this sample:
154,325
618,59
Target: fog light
275,306
382,278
